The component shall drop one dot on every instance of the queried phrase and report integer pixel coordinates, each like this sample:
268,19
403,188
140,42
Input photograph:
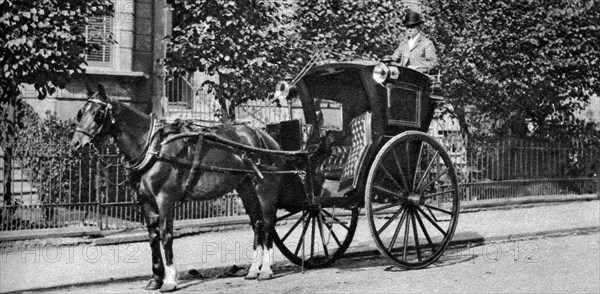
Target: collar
414,40
148,153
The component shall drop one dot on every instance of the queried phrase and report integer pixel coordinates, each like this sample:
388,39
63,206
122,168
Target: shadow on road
458,252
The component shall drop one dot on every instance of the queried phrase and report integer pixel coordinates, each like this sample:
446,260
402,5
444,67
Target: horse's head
94,121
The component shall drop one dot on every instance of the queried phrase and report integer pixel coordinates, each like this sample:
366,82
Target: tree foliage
509,64
42,43
239,39
254,44
347,29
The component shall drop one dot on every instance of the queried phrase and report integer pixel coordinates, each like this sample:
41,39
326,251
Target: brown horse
163,177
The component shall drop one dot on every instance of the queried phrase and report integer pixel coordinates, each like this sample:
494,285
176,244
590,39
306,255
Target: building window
99,31
180,91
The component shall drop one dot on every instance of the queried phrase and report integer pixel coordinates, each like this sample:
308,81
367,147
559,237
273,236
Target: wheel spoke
320,223
306,223
438,194
406,233
286,216
420,190
389,175
439,209
425,232
386,191
414,224
390,221
412,186
294,226
432,221
303,249
332,232
312,236
399,166
386,206
433,215
398,227
336,220
431,162
418,164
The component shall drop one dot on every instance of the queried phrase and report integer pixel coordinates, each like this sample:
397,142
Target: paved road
546,265
40,266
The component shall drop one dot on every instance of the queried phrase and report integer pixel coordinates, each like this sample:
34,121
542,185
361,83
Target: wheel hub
415,199
313,209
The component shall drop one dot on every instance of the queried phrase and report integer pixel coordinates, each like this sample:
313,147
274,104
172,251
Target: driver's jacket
422,56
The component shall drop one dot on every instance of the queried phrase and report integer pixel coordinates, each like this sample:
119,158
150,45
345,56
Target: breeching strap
195,171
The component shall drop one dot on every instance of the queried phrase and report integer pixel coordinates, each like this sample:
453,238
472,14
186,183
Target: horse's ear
90,92
102,93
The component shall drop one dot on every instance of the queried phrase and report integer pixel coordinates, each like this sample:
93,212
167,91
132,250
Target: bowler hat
412,19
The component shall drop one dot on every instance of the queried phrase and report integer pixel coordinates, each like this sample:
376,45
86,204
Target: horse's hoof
251,276
265,276
168,287
153,285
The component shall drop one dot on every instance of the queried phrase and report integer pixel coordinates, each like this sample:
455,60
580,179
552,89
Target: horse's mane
130,116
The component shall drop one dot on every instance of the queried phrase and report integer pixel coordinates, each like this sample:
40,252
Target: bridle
102,118
106,120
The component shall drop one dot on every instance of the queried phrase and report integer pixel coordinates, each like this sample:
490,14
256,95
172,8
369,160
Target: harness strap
143,161
227,170
236,145
195,170
255,168
78,130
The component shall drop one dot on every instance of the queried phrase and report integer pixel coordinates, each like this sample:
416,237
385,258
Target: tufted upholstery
332,166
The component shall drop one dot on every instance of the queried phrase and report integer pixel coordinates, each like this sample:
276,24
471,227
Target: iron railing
90,189
84,190
186,99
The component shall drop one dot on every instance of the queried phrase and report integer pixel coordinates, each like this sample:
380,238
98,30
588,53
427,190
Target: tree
43,43
254,44
347,29
509,64
241,40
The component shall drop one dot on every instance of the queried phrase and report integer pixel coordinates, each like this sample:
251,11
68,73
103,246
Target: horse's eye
98,116
79,115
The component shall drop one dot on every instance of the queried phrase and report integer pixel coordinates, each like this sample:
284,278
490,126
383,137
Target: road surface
546,265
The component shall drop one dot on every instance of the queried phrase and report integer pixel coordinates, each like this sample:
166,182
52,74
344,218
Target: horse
162,180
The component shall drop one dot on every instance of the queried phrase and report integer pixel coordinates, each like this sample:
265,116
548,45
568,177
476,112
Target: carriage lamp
394,72
380,73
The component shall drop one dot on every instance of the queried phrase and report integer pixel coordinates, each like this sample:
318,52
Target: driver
415,51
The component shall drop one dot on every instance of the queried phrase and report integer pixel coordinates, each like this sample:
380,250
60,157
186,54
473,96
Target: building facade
130,69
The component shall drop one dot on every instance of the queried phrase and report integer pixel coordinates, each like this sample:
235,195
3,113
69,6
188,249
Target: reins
148,155
231,145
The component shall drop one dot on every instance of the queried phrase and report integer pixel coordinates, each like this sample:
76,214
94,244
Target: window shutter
98,32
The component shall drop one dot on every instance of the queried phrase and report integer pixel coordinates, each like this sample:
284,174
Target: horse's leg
257,254
152,223
252,206
166,210
269,217
268,192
